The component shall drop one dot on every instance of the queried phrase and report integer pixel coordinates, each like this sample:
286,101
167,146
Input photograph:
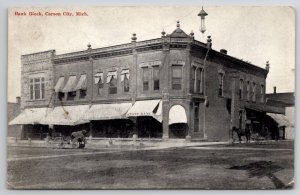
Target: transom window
37,88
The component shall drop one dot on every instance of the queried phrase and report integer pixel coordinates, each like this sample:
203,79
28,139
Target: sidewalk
117,144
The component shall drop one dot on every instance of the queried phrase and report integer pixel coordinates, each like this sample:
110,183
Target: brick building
170,87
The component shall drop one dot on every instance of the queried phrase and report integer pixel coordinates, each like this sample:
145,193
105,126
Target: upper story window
112,80
248,90
176,77
69,88
155,77
146,78
199,84
37,88
99,81
125,80
82,86
241,89
193,87
262,93
59,87
253,92
221,84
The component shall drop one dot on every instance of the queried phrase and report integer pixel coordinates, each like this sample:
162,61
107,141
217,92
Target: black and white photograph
151,97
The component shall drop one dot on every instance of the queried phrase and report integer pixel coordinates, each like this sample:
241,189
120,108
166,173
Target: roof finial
178,24
133,38
89,46
163,33
192,33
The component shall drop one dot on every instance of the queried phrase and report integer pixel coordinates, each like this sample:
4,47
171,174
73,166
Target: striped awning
147,108
70,85
81,83
107,111
59,85
30,116
280,119
66,115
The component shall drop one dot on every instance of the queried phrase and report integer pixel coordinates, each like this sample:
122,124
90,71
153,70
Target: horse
242,132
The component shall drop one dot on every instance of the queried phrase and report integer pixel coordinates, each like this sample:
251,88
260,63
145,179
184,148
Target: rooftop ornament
89,46
202,15
163,33
133,38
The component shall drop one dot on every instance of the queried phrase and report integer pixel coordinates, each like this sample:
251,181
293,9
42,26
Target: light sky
255,34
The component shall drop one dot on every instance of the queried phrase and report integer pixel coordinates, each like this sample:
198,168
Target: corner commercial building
170,87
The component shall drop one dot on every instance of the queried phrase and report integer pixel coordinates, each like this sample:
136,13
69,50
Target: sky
254,34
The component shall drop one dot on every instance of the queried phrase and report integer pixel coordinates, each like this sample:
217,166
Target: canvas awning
97,77
59,85
110,75
280,119
123,74
81,83
70,84
66,115
177,115
30,116
107,111
146,108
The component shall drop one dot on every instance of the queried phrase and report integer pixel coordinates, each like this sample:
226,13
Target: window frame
221,76
144,79
41,83
176,81
156,78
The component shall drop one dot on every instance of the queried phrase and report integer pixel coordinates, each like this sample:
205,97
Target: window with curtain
146,77
113,85
156,78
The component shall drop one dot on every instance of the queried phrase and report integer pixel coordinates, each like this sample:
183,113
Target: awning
97,77
59,85
81,83
66,115
70,84
146,108
107,111
30,116
280,119
177,115
123,74
110,75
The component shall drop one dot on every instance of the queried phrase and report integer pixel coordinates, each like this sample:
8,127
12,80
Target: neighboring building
13,110
285,112
170,87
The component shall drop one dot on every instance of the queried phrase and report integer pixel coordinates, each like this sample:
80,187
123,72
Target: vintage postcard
151,97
